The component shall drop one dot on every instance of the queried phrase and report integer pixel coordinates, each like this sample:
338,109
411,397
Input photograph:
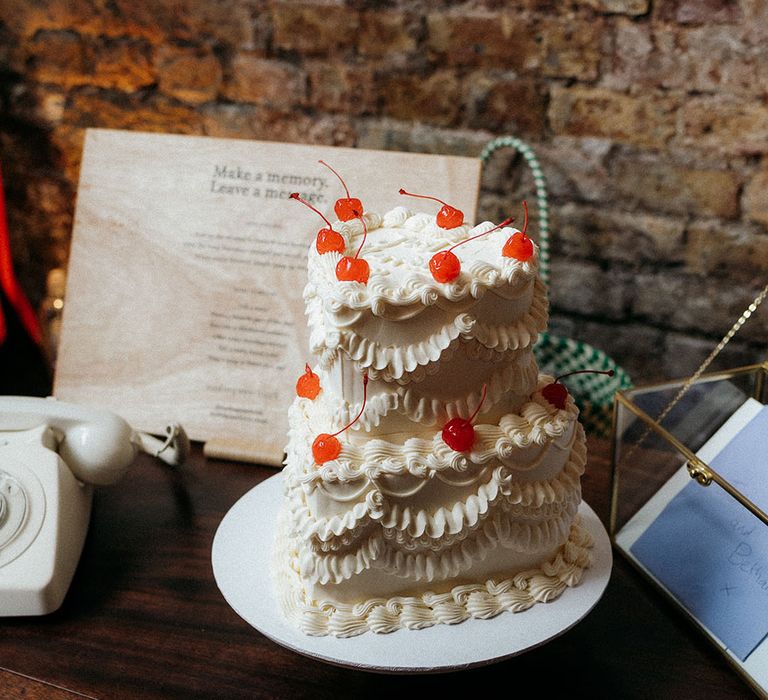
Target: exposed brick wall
650,117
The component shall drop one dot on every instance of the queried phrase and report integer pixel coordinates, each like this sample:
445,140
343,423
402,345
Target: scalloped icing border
399,361
420,289
518,375
516,593
537,423
500,486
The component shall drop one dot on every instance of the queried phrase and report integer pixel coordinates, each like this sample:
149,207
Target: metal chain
726,339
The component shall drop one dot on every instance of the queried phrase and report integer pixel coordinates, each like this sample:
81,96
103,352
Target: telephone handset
52,453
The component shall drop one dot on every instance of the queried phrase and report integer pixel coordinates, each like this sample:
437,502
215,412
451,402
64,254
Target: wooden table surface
144,618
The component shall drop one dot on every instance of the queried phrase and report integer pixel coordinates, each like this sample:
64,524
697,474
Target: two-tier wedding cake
454,490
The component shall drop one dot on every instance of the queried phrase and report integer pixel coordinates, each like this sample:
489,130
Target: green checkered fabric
593,393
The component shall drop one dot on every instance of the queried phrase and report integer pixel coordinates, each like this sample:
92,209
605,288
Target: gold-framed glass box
653,457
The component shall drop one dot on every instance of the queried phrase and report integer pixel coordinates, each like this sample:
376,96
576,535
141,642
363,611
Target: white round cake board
242,554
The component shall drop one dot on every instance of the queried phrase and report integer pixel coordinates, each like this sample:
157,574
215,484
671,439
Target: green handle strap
542,200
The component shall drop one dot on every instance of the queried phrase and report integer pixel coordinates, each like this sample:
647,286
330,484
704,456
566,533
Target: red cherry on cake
448,217
347,207
458,433
327,239
354,269
308,384
326,447
557,394
519,246
445,266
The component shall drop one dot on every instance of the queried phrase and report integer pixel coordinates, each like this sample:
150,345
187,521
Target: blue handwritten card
710,552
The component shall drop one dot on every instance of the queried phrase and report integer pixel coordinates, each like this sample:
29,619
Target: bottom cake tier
514,593
408,536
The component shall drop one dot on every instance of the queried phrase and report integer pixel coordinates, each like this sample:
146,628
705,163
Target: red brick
731,251
199,21
61,57
483,39
26,18
755,199
646,120
123,64
508,106
314,29
435,99
90,109
576,168
191,75
659,186
755,25
619,7
597,233
341,87
725,124
388,34
263,81
254,122
629,59
699,11
571,48
68,59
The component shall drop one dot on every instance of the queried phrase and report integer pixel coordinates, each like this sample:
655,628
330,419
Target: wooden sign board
188,262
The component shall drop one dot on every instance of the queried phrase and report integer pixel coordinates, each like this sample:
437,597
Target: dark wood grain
16,687
144,618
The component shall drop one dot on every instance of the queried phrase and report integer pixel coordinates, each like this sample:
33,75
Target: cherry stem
608,372
307,368
480,405
504,223
341,179
295,195
525,222
362,408
365,231
423,196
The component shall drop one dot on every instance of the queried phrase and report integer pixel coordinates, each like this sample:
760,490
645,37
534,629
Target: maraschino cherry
557,394
327,239
458,433
519,246
346,207
327,447
445,266
354,269
308,384
448,217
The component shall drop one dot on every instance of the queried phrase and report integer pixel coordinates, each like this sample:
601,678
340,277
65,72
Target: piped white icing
514,593
398,509
516,442
426,545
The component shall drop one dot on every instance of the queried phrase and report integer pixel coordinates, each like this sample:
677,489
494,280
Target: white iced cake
401,530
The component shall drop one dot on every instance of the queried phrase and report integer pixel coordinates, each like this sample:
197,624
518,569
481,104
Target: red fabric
10,284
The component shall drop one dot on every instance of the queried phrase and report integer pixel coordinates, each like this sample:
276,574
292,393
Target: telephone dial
52,453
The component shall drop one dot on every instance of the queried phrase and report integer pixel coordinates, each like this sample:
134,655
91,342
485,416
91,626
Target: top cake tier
398,249
403,318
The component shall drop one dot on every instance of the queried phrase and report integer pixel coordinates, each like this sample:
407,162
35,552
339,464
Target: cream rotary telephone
51,455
